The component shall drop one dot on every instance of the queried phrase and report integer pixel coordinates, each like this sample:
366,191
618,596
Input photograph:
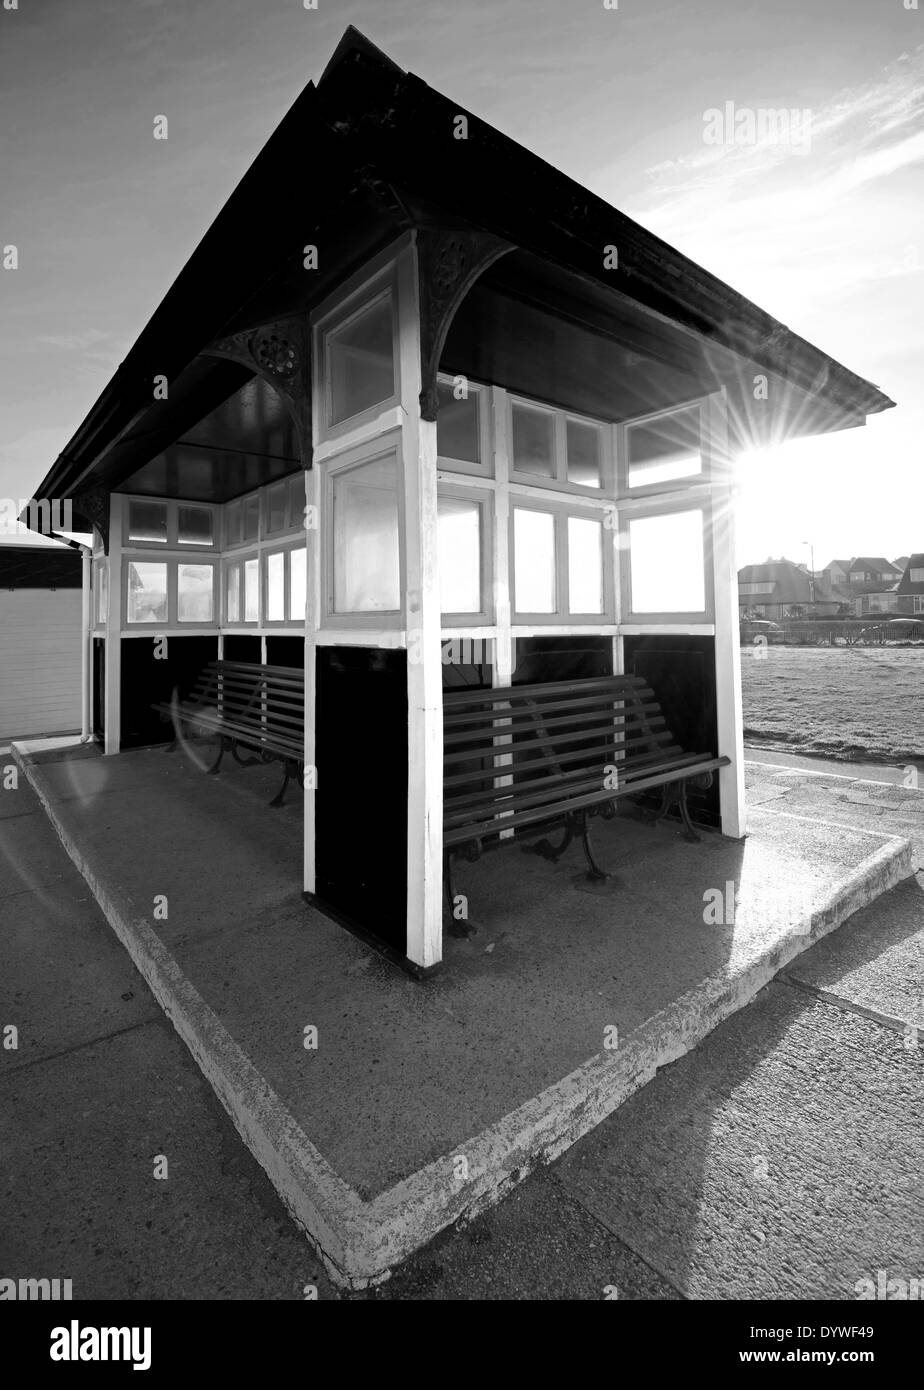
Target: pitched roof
906,585
377,132
39,567
874,562
792,584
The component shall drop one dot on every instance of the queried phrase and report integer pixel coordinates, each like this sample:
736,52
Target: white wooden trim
86,642
504,649
424,667
729,718
112,711
656,629
312,622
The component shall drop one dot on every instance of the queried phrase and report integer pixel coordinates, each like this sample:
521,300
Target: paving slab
781,1160
64,978
80,1140
540,1244
876,964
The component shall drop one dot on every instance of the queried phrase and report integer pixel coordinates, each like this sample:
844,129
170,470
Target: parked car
749,628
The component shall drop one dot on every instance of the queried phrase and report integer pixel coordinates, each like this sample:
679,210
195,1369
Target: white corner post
729,717
312,623
112,703
86,641
422,622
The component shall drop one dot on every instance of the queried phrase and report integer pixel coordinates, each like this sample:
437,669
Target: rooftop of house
906,584
384,159
875,564
792,584
39,567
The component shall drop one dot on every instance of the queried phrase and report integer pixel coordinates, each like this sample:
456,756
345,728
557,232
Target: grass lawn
854,703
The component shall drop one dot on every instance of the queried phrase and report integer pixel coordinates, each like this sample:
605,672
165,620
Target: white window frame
383,285
704,476
561,616
700,502
285,549
173,590
483,399
387,445
172,541
559,481
484,497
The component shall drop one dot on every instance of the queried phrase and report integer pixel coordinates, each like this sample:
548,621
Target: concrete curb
361,1241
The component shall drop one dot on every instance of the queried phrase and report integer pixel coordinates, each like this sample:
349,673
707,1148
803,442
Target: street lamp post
812,570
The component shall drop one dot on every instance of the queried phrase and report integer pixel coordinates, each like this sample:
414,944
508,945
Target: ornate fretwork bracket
94,505
448,264
280,353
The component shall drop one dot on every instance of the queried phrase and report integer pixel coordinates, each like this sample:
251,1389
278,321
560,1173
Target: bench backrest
516,748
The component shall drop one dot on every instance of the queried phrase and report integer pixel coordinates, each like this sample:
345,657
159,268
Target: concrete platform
423,1103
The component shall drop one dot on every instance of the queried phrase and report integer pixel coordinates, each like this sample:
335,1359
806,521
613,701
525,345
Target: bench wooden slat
516,707
495,824
458,808
592,737
600,753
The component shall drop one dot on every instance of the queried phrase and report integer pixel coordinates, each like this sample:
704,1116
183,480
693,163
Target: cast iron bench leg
594,872
291,770
457,926
224,744
688,832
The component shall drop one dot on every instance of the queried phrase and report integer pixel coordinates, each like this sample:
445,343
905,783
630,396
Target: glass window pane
664,449
361,362
194,594
233,531
365,542
534,561
298,584
251,591
233,593
102,593
147,521
194,526
276,587
585,565
457,434
297,500
147,592
666,567
276,508
459,541
533,441
583,454
251,507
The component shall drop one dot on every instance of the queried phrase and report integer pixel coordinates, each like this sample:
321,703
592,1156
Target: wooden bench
261,708
521,757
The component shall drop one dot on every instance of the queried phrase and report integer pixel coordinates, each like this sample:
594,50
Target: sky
824,232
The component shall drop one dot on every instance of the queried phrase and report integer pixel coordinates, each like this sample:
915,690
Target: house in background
41,629
910,590
901,562
783,589
872,574
836,574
